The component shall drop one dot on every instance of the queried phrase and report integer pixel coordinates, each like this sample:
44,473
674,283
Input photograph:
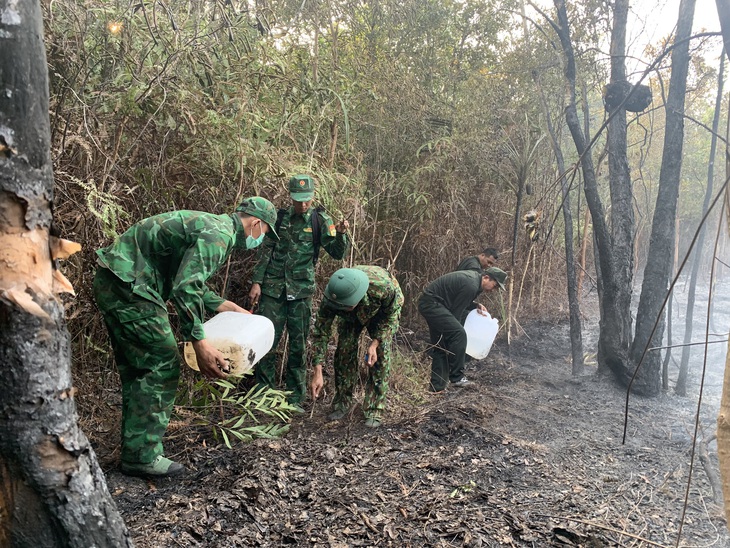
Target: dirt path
527,456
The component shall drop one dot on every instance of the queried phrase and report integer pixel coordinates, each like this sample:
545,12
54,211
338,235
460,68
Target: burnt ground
527,456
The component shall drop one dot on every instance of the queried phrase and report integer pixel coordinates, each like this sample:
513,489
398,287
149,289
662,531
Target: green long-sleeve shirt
287,264
456,290
171,256
379,310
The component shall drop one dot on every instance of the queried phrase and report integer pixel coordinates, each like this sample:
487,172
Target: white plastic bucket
242,338
480,334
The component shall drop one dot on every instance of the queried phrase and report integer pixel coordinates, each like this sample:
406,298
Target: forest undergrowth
527,456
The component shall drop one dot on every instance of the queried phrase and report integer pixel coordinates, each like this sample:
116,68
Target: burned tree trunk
618,287
615,326
723,418
658,263
576,332
52,491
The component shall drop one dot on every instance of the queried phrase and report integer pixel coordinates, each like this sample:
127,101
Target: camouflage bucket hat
261,208
301,188
497,274
346,288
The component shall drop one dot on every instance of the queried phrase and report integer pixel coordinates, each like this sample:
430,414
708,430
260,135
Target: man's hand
342,226
230,306
373,352
254,295
211,362
317,382
482,310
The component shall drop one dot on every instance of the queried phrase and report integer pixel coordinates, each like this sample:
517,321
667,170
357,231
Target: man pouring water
443,304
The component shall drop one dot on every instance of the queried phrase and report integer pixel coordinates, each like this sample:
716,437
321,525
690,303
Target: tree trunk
515,238
516,225
583,250
670,321
622,203
576,335
52,491
614,330
658,266
723,419
681,386
723,431
723,11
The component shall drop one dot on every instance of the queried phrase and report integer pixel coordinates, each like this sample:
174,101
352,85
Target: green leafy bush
235,415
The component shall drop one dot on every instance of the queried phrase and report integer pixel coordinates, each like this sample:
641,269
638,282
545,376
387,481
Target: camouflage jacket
470,263
287,265
170,257
379,310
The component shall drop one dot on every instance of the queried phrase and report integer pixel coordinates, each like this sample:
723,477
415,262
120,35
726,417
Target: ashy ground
527,456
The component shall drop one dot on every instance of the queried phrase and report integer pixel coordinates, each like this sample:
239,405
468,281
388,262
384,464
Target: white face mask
252,242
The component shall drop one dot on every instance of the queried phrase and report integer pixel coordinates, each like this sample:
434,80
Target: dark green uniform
443,303
470,263
285,270
165,257
379,313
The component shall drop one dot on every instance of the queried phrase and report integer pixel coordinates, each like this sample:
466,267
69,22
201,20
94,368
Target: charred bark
658,266
723,418
52,491
622,205
615,326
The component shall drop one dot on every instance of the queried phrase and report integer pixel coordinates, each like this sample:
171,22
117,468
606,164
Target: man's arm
263,257
230,306
211,362
388,317
320,337
211,300
189,291
333,237
191,296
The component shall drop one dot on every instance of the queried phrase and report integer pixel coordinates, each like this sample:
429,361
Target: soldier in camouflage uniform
362,297
166,257
283,281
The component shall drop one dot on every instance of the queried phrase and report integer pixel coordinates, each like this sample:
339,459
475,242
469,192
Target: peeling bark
52,491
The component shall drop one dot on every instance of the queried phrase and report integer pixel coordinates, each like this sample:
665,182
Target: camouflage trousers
449,343
295,316
148,361
347,366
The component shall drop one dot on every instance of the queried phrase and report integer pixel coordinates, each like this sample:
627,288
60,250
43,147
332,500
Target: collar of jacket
306,215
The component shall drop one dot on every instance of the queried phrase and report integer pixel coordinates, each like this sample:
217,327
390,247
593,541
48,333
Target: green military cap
301,188
346,288
497,274
261,208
